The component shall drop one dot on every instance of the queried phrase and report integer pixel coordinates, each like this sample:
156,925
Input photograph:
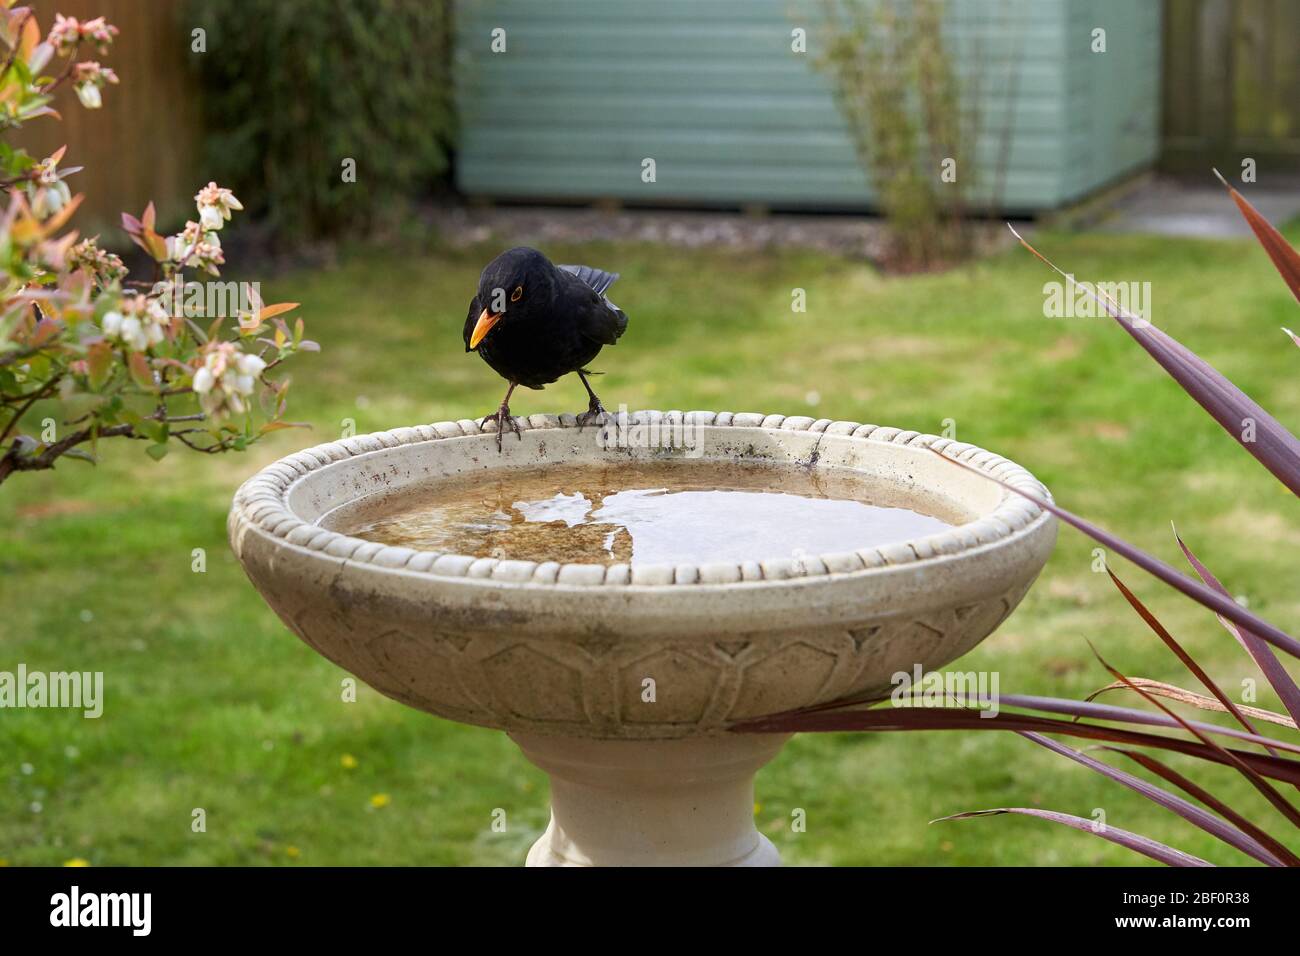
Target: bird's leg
595,411
503,418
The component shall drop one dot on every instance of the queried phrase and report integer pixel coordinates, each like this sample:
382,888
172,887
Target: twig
25,177
18,42
32,399
9,358
67,71
12,462
219,447
21,396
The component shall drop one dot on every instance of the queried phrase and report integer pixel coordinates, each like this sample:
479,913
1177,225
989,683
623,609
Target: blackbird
533,321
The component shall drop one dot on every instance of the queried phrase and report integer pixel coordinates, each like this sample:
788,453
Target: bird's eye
517,294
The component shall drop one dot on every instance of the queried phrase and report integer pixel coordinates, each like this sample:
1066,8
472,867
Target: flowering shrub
120,358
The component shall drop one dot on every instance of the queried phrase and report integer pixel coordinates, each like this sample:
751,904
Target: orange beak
481,328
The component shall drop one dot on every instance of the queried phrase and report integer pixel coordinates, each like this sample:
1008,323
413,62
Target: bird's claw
594,415
504,421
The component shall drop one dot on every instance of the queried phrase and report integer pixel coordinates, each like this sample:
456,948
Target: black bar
334,905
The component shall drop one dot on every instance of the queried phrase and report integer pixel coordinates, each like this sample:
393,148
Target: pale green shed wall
712,91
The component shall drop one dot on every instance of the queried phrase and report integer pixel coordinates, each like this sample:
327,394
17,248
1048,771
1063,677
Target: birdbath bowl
559,655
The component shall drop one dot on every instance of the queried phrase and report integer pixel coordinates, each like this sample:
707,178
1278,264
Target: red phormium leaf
1132,841
1193,814
895,719
1263,655
1188,661
1128,715
1200,701
1239,415
1284,257
1193,589
1252,775
1167,773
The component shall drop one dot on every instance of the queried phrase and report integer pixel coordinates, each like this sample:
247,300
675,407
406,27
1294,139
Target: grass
211,704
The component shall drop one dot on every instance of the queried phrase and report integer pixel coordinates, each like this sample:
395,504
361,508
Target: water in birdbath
646,513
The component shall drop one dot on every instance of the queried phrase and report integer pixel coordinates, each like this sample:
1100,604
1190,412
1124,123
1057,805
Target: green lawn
212,703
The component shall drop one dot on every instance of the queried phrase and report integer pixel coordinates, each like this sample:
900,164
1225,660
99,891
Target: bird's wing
600,320
471,319
597,279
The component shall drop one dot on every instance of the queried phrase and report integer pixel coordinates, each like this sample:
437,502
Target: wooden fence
145,142
1231,84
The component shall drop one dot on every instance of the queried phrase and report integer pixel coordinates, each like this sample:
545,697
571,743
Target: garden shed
565,101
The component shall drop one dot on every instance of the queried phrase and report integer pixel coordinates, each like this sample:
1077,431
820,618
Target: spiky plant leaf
1284,256
1194,589
1228,833
1196,791
1240,416
1200,701
1263,655
1132,841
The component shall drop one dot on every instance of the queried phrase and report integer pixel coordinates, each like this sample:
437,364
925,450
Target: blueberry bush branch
120,358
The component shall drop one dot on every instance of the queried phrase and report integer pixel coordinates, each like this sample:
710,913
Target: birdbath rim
265,502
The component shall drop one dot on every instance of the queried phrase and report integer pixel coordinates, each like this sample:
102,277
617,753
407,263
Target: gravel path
535,225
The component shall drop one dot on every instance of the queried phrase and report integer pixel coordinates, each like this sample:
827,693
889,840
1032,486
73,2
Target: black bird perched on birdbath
533,321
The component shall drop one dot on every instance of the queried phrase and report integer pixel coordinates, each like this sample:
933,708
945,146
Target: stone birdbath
557,654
